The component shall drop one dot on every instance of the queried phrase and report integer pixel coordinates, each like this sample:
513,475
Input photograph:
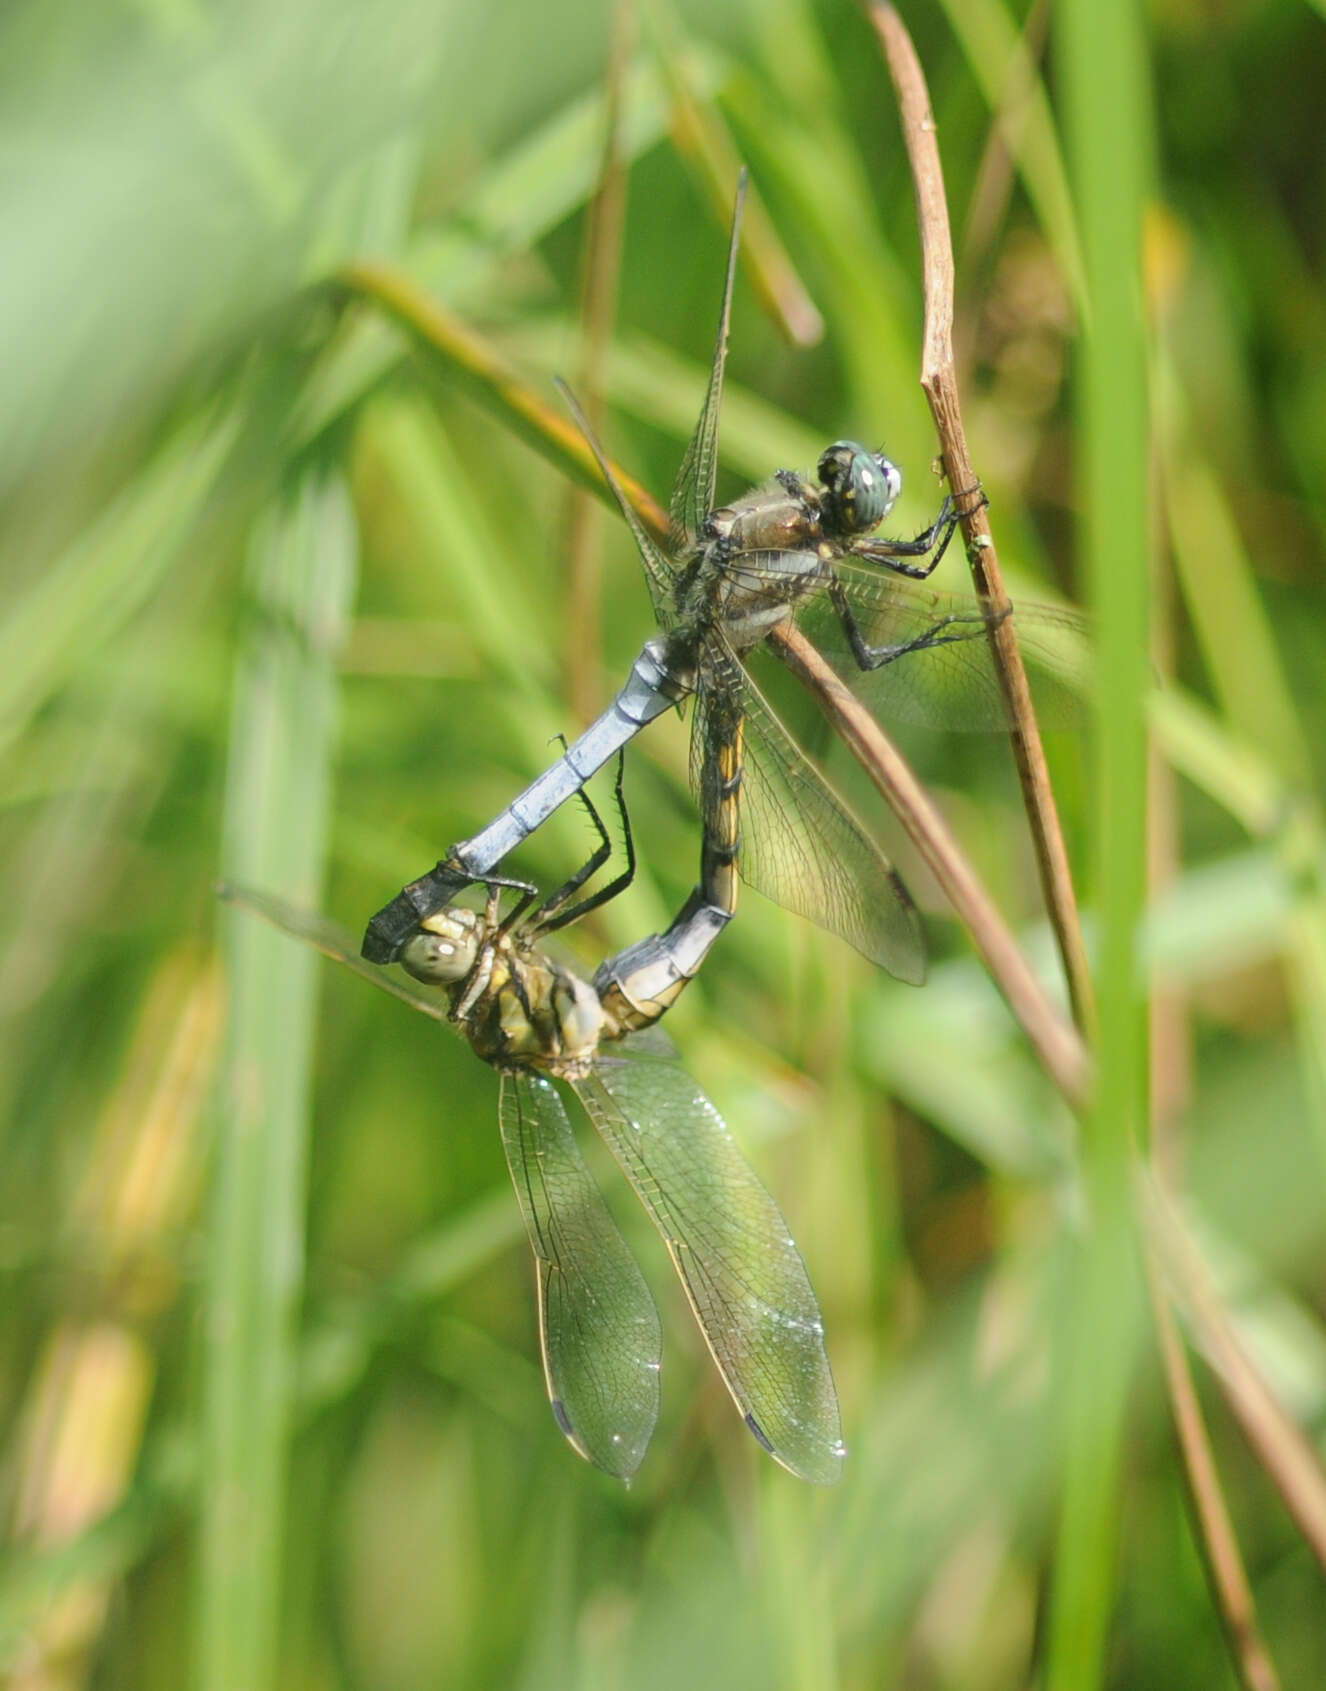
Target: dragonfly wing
660,577
953,684
728,1240
651,1041
693,492
599,1332
334,942
800,844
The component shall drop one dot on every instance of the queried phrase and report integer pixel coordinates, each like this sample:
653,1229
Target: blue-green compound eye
860,487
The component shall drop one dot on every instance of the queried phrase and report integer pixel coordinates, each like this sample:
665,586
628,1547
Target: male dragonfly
800,547
539,1023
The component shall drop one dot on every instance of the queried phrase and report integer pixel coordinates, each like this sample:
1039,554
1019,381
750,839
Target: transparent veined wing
728,1240
660,576
334,942
953,685
800,845
599,1332
693,491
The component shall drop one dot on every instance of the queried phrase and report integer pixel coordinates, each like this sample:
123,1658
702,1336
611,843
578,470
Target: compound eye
861,487
835,465
891,477
441,953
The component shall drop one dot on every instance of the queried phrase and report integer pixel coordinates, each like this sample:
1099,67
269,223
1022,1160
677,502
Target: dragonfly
800,547
544,1027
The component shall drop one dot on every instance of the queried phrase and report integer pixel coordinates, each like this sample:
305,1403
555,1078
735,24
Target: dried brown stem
1282,1448
939,380
1215,1530
1056,1041
1171,1087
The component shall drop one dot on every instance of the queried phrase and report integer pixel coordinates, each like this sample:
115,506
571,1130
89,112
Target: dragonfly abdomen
640,984
661,676
720,805
656,682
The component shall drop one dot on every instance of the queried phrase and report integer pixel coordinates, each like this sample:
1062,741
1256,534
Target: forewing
660,577
730,1244
599,1332
800,844
693,492
954,685
334,942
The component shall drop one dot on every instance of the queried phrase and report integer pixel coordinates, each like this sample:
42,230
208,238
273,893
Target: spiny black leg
528,893
890,553
944,631
550,913
590,866
551,917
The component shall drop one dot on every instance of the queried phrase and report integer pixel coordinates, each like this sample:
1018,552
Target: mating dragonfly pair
800,548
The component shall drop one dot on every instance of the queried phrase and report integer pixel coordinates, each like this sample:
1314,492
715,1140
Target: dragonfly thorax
781,516
581,1020
535,1014
860,488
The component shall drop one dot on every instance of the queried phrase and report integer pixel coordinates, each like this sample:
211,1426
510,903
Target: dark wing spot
755,1427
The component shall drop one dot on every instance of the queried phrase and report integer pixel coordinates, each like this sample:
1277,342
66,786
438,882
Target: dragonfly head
445,949
860,487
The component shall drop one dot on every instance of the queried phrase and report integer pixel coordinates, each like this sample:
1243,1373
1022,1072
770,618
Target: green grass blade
996,57
514,204
84,598
1223,600
302,578
1102,63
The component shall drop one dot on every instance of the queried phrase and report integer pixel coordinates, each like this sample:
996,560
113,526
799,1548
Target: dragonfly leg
944,631
555,911
931,544
528,893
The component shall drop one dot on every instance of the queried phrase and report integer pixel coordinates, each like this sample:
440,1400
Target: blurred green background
280,594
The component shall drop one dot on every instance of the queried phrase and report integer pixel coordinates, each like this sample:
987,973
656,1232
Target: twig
1056,1041
1171,1089
1282,1448
939,381
1215,1533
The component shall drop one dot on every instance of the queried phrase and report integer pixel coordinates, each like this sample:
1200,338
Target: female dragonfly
542,1026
